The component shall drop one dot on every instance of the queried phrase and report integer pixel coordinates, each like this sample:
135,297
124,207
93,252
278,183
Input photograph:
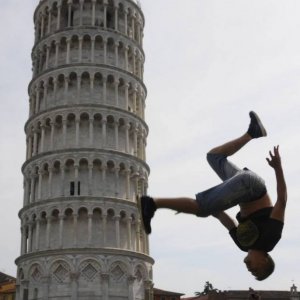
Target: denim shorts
238,186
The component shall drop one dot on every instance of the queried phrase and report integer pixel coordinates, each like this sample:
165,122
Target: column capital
131,279
105,276
74,276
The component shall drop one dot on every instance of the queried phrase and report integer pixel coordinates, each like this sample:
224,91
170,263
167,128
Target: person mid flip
260,223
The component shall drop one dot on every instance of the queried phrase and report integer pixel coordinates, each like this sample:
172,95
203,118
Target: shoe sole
141,209
261,126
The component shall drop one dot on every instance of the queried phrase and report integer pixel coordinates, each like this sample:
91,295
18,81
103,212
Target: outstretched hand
275,160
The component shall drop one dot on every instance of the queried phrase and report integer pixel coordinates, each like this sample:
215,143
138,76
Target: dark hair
267,270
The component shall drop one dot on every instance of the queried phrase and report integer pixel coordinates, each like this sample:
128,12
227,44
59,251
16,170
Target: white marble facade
82,237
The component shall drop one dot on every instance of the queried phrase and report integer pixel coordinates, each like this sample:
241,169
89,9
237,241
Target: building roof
165,293
6,278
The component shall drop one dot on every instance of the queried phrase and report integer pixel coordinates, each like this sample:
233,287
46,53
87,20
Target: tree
208,287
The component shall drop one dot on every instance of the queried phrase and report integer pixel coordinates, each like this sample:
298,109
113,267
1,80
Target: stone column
77,123
23,240
68,50
127,127
62,170
66,91
76,167
58,16
139,25
128,184
92,49
126,21
49,21
61,229
26,191
133,63
56,53
42,25
116,18
78,89
48,231
126,58
52,124
105,280
104,168
50,170
41,172
116,83
104,122
104,226
41,56
43,127
91,132
75,222
81,10
69,12
74,281
136,185
133,27
35,137
90,228
116,54
54,88
144,146
37,99
129,235
29,146
126,96
105,51
64,123
47,57
135,141
45,95
45,280
29,237
32,188
104,89
80,49
130,280
105,14
116,135
92,85
93,12
135,101
138,236
90,184
37,234
117,181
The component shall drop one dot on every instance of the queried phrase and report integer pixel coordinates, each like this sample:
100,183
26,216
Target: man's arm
226,220
279,207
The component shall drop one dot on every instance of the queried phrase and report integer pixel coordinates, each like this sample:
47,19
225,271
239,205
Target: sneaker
256,128
148,209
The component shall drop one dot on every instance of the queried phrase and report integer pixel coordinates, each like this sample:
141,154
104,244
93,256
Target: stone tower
85,161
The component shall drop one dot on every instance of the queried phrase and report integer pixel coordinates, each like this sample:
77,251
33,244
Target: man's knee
215,159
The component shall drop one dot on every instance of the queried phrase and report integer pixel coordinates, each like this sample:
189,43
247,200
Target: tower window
78,188
72,188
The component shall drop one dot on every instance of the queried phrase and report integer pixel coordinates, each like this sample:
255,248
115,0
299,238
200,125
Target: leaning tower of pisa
85,161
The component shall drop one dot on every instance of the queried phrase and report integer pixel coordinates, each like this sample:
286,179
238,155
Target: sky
208,63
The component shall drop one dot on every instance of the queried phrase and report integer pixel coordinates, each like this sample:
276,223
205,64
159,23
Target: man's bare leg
188,205
255,130
233,146
182,204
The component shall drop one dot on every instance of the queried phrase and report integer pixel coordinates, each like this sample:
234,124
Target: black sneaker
148,209
256,128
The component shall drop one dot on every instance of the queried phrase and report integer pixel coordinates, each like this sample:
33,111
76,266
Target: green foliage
208,287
